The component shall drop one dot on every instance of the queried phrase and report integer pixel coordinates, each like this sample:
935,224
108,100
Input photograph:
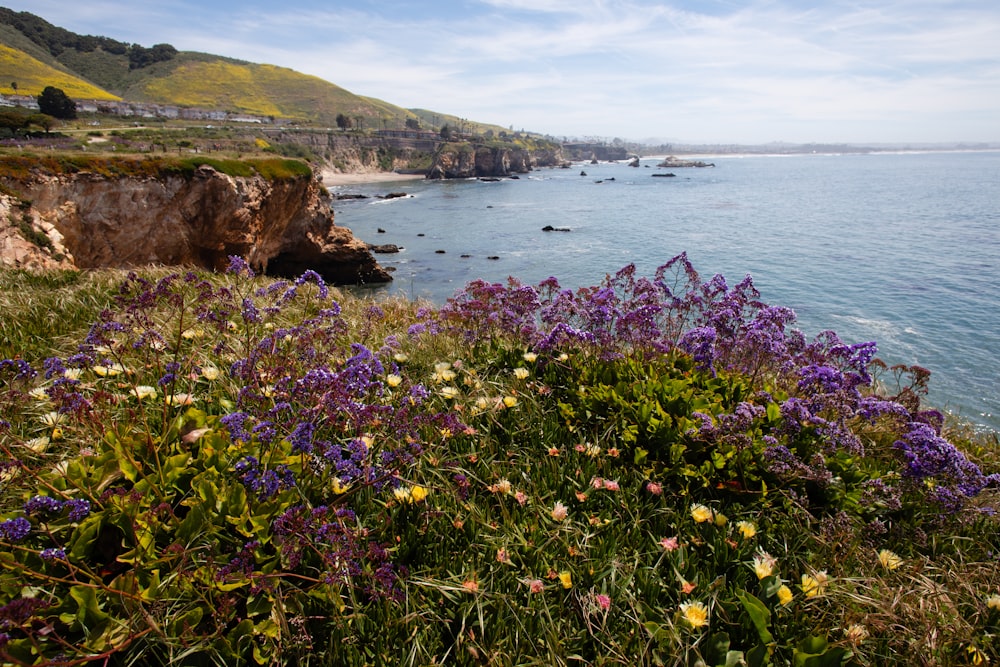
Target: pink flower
669,543
597,482
603,601
559,511
536,585
521,497
611,485
654,488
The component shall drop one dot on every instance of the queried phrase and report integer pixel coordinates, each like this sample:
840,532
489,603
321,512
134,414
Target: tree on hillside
43,121
13,85
445,132
412,124
12,121
54,102
343,122
139,56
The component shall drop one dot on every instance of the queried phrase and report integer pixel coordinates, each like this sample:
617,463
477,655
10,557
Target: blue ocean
900,248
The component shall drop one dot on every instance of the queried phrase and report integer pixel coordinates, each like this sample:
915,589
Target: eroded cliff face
281,226
468,161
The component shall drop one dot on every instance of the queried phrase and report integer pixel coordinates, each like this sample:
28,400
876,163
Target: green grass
20,166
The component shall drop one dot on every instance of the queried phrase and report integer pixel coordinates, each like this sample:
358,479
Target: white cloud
743,70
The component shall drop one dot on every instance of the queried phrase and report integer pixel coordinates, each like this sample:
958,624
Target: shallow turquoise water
897,248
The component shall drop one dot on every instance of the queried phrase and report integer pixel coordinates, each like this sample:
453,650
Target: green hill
36,54
32,76
199,80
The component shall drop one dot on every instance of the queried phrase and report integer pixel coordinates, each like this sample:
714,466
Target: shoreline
333,178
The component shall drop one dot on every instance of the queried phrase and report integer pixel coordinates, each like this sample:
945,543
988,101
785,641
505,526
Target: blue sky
706,71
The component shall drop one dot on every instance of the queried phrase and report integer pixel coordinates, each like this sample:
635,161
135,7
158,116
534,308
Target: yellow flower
720,519
764,564
509,401
521,373
814,585
53,419
144,391
701,514
450,392
180,399
403,494
695,613
855,633
210,373
400,358
977,657
418,493
993,602
784,595
38,445
502,486
443,372
72,373
566,579
339,487
109,371
746,528
39,394
889,560
530,357
393,380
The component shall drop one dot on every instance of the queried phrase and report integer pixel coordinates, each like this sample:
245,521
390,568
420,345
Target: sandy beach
333,178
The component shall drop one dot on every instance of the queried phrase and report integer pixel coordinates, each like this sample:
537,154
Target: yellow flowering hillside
265,90
32,76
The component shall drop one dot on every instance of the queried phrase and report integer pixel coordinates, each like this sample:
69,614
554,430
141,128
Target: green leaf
84,537
88,614
759,614
815,651
758,656
640,455
193,525
189,620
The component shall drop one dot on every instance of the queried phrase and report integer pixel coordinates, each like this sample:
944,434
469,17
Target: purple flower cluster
14,530
241,564
328,541
265,482
77,509
929,456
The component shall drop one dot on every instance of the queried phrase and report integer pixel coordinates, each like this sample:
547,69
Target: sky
690,71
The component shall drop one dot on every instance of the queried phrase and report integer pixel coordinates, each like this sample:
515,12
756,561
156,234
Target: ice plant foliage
233,470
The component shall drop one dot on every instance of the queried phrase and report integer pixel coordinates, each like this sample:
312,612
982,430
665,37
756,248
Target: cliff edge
467,160
106,212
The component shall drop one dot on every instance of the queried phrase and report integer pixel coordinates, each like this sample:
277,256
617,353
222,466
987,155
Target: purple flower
242,563
15,530
53,554
78,509
43,505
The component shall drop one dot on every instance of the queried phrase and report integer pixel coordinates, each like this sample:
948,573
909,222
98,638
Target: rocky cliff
131,214
464,160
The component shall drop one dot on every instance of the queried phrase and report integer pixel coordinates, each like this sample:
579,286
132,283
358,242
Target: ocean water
900,248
